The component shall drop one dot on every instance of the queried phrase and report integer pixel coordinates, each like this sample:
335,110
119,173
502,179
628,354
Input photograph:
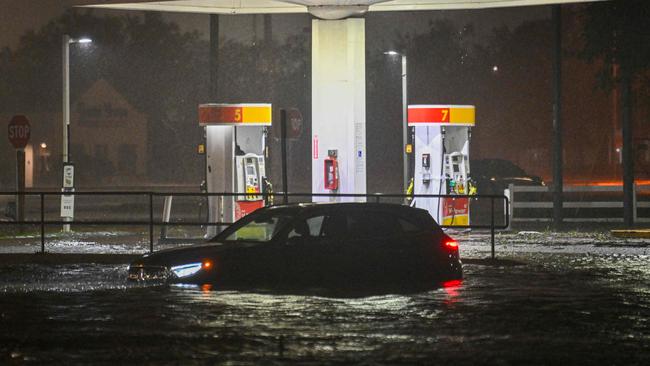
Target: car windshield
260,228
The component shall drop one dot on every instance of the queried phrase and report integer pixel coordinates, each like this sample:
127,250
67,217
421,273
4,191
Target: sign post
67,201
19,132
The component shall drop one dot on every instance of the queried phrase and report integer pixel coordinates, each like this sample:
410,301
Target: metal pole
558,184
20,187
150,222
66,107
283,126
214,56
404,126
66,94
492,226
42,223
628,158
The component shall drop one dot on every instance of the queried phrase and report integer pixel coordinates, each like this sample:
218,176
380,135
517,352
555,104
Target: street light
404,117
67,41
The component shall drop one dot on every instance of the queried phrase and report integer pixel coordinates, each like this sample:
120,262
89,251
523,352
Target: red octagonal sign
19,131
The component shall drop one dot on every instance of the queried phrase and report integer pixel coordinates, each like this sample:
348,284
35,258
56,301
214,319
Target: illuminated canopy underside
301,6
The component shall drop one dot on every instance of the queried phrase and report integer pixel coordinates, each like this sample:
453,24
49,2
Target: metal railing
285,198
547,204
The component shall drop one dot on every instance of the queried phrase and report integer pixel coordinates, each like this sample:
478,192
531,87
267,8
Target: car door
417,249
373,246
307,249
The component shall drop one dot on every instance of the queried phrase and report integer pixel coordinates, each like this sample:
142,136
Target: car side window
371,225
335,226
308,227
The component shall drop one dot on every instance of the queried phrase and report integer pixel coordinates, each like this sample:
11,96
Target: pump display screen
250,170
426,160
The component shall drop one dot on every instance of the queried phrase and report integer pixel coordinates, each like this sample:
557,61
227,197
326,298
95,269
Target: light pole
66,109
405,182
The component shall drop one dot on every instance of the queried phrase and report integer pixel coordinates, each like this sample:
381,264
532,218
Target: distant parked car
492,176
330,245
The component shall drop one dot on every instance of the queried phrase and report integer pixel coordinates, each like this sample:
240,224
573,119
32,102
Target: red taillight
452,283
449,243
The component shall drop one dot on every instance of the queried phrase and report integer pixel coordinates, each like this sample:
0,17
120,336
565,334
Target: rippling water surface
556,309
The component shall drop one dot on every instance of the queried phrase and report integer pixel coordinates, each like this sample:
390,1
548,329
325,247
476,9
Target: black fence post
150,222
492,225
42,223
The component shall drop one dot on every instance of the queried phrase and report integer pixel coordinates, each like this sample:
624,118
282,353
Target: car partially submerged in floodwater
328,245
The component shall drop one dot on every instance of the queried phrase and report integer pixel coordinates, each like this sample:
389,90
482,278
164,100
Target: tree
618,33
156,66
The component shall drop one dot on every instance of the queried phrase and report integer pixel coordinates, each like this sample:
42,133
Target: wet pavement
575,299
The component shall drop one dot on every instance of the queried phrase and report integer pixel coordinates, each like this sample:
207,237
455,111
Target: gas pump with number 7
442,135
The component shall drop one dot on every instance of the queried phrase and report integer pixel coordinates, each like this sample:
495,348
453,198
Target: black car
493,176
329,245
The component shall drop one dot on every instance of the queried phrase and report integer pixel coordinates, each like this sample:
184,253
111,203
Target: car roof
313,206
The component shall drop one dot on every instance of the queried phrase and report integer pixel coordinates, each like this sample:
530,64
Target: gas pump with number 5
331,173
250,173
235,158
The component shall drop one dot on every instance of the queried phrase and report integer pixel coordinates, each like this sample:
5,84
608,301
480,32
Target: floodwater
558,307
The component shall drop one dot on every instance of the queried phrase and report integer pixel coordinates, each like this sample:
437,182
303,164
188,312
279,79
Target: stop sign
19,131
294,119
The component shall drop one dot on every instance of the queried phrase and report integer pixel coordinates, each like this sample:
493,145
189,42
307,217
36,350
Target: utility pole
558,184
628,150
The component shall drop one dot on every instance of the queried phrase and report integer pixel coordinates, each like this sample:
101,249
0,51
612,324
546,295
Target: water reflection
452,289
556,309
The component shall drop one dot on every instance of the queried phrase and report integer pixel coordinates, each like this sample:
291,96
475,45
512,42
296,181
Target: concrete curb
633,234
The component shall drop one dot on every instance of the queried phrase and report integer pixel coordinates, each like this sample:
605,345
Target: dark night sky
19,16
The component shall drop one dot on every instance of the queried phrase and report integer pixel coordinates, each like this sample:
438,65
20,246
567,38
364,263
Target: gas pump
442,135
426,168
235,158
249,177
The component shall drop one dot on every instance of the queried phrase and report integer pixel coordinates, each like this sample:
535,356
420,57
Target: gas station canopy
338,100
326,9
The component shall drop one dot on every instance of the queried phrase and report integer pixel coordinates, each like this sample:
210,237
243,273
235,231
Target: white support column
339,102
219,174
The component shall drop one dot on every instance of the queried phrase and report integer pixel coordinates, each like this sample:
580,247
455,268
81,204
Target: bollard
150,222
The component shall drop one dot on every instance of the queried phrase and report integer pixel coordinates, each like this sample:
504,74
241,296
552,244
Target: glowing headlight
186,269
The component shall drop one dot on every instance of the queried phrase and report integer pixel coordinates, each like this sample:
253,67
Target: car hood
190,254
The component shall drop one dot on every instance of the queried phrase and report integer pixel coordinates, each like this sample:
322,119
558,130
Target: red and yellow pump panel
441,115
248,114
